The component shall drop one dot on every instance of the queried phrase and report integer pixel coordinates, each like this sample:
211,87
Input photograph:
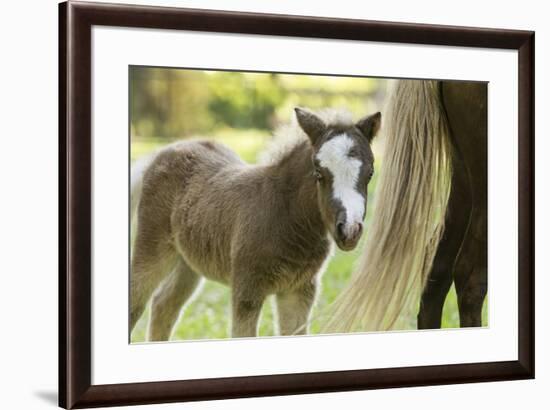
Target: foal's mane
290,136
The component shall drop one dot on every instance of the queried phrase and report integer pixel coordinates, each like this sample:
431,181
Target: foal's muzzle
347,235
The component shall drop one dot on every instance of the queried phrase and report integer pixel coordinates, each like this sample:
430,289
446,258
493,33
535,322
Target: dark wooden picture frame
75,161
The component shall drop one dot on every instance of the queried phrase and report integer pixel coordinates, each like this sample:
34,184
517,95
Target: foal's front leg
294,308
246,304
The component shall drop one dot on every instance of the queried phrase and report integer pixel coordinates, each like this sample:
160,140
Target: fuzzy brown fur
260,229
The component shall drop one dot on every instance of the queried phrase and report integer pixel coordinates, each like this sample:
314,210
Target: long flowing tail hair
409,213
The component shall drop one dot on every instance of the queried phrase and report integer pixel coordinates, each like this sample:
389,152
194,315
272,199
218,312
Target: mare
429,225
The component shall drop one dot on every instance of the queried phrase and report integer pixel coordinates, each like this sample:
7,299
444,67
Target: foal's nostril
340,229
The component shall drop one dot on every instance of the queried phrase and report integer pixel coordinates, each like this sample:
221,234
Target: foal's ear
312,125
370,125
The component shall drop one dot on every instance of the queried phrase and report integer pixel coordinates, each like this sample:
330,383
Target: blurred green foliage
243,100
241,110
168,104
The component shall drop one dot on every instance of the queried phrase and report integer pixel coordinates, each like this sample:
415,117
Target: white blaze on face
333,155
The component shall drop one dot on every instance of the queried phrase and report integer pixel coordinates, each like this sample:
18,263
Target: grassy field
207,316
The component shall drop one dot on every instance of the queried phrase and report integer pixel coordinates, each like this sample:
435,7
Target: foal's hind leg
294,308
150,265
169,299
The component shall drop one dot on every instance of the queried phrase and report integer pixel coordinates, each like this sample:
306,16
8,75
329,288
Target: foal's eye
317,174
371,174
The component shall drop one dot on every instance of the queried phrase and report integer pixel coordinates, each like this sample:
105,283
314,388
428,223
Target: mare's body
462,252
429,227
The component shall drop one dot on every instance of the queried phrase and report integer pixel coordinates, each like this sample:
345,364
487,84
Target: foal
260,229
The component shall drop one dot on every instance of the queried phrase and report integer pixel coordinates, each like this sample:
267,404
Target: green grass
207,316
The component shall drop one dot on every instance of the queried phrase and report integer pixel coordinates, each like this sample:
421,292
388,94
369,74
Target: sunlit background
241,110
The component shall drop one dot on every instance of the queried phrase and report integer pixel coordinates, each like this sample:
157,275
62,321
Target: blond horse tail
409,213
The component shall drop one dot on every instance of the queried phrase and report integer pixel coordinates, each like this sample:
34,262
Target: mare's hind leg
436,289
294,308
169,299
466,106
440,277
471,273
